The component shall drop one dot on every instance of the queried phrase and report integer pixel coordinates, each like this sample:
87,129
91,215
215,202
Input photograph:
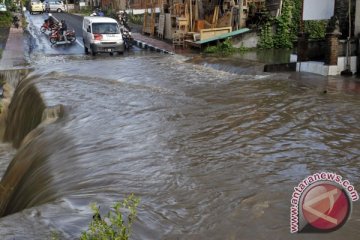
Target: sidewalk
13,54
152,43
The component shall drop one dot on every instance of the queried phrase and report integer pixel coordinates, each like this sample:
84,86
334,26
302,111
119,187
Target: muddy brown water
211,154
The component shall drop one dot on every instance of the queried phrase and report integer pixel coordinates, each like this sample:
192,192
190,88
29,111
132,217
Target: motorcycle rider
63,29
50,20
97,12
123,19
16,21
100,13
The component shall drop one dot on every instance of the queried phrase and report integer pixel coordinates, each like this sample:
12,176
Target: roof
100,19
223,36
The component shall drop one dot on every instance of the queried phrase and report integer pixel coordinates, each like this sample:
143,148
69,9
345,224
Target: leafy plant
287,27
111,13
225,47
115,226
316,29
136,19
283,36
86,11
24,23
266,36
5,19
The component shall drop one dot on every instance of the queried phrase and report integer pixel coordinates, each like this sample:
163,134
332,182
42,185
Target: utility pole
347,71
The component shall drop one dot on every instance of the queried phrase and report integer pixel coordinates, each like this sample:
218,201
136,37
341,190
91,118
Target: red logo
326,207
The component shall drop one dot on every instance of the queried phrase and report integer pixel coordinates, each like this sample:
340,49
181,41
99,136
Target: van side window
88,29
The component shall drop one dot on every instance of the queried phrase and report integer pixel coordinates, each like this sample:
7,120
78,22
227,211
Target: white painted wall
326,70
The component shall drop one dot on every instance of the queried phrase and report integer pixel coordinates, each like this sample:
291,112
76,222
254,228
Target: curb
13,54
145,45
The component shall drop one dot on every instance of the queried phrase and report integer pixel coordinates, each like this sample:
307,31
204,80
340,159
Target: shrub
114,225
225,47
5,19
136,19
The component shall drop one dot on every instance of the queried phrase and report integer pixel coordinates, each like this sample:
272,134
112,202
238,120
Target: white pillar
357,18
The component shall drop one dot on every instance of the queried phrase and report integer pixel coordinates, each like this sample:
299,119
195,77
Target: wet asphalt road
40,44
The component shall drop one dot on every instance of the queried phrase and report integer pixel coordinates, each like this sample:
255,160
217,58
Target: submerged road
212,154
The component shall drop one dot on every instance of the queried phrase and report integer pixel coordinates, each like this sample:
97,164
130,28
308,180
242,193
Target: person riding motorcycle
97,12
63,29
123,19
16,21
100,13
49,21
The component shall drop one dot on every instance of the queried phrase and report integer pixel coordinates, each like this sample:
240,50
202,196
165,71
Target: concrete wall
325,70
248,40
316,49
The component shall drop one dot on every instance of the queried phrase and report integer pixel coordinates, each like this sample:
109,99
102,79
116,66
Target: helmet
50,14
63,21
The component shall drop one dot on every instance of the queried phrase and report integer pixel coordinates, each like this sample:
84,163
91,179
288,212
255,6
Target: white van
102,34
55,6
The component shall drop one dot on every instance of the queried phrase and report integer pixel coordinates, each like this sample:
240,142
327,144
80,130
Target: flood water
211,154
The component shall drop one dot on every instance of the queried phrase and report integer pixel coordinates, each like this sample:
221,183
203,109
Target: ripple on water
212,154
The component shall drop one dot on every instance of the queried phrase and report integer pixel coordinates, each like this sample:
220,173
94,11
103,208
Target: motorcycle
128,39
49,26
16,22
97,13
123,20
57,38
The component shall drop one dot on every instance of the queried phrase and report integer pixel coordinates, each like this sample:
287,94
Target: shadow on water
248,62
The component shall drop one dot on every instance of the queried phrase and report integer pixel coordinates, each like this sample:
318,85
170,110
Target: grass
5,19
225,48
85,11
136,19
24,23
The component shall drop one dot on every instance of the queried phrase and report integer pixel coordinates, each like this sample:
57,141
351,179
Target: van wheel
111,54
59,10
93,52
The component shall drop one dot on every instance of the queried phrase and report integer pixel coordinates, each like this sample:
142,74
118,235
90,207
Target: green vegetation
266,40
113,226
224,48
111,13
5,19
136,19
283,35
316,29
24,23
282,31
85,11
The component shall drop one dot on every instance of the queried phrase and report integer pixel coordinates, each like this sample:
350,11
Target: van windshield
105,28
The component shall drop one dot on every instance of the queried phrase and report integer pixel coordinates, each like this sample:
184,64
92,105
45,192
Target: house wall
141,4
114,4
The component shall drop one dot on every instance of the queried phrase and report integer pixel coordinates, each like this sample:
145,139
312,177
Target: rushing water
213,155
